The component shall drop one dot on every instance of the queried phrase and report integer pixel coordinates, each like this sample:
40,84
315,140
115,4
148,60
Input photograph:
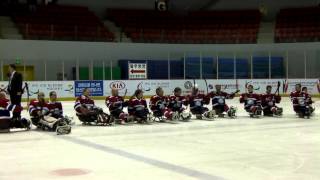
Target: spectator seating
298,25
239,26
59,22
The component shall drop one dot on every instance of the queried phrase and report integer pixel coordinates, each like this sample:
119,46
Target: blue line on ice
157,163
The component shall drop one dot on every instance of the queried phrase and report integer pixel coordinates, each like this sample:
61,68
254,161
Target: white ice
286,148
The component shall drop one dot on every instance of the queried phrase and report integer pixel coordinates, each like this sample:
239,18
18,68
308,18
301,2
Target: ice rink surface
286,148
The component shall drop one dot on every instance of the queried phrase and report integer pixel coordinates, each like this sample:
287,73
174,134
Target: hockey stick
33,93
237,85
237,88
278,87
26,88
246,86
205,80
318,85
194,87
248,83
4,90
139,86
125,94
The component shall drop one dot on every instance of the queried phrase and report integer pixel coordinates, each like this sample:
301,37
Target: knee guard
232,112
185,116
209,114
49,123
312,109
103,118
307,111
175,116
65,129
22,123
87,118
278,111
63,126
258,111
68,120
35,121
255,111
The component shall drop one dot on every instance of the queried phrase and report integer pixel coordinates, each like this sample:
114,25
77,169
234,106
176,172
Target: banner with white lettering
103,88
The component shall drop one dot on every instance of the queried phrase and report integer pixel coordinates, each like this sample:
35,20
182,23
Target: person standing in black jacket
15,90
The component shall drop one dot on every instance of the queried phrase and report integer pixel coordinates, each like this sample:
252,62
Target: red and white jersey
158,102
198,100
55,108
250,99
176,102
219,98
35,106
270,99
136,104
4,112
114,103
84,101
300,98
5,106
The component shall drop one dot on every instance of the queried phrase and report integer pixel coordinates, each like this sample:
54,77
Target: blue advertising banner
96,87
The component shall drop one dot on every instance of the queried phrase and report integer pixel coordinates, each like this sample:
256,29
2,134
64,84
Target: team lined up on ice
174,107
49,115
44,115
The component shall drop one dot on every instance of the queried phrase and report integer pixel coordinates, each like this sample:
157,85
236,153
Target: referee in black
15,89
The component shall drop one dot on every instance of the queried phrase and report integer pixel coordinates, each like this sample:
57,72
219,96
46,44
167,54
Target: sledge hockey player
309,99
301,102
197,101
88,112
176,102
41,117
252,102
137,107
219,102
6,122
269,101
116,103
55,108
158,105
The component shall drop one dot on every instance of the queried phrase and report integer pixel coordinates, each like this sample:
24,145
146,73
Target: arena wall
303,58
68,90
